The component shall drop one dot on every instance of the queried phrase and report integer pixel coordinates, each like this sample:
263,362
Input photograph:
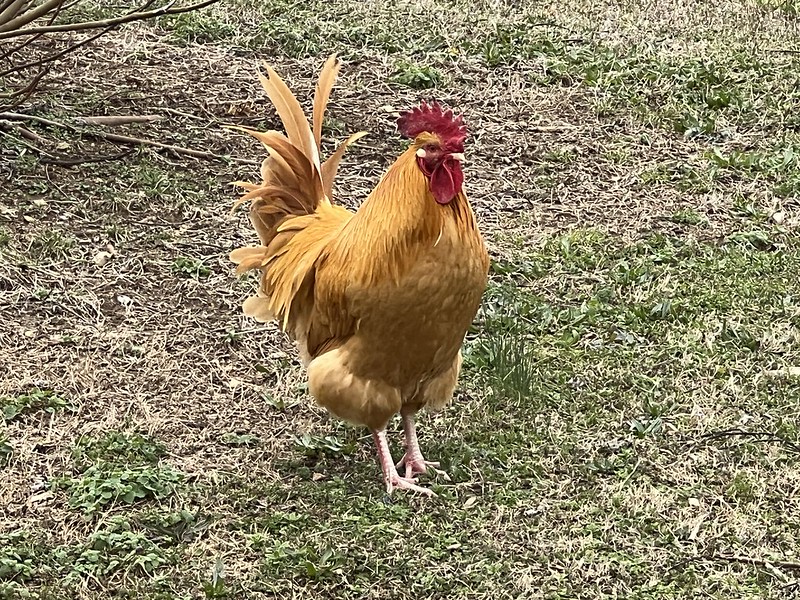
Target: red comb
429,117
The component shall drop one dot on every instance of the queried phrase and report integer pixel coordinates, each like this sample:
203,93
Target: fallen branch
762,562
28,145
71,162
30,135
13,116
119,120
123,139
167,9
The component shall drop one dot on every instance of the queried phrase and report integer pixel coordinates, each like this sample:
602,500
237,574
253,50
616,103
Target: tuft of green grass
239,439
175,527
53,244
787,7
117,447
418,77
194,268
779,166
118,468
510,365
35,400
198,27
216,586
687,216
312,445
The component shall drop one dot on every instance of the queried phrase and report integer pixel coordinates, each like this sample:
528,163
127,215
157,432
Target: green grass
13,407
6,450
117,468
190,267
584,405
416,76
52,244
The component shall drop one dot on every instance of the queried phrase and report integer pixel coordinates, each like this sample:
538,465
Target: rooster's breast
411,329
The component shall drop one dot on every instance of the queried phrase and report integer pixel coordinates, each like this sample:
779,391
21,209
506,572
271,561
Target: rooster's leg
412,459
391,477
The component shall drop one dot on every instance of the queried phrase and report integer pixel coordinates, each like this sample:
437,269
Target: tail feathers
291,209
290,113
288,264
327,77
331,166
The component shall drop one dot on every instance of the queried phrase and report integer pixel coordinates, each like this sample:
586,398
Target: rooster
378,301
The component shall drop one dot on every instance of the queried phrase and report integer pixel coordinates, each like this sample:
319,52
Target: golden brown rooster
379,300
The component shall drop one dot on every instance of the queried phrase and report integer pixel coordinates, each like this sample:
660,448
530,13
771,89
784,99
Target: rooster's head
439,141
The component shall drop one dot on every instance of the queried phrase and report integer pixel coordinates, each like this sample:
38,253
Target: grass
12,407
416,76
626,424
117,468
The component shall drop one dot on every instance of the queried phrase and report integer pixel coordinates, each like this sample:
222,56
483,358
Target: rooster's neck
403,207
400,221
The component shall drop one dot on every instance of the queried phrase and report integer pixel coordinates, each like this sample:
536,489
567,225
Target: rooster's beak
459,156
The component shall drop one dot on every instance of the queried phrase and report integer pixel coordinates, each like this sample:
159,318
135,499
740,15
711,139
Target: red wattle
446,180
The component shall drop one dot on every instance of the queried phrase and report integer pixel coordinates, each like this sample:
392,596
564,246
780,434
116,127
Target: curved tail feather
291,209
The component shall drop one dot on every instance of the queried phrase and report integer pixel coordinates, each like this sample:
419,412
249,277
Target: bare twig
119,120
183,114
13,116
71,162
762,436
167,9
28,90
125,139
784,564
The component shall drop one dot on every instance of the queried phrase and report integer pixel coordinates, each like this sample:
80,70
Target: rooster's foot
416,465
396,482
391,477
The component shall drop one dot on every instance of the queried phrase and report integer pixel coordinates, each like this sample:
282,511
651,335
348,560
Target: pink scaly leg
412,459
391,477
